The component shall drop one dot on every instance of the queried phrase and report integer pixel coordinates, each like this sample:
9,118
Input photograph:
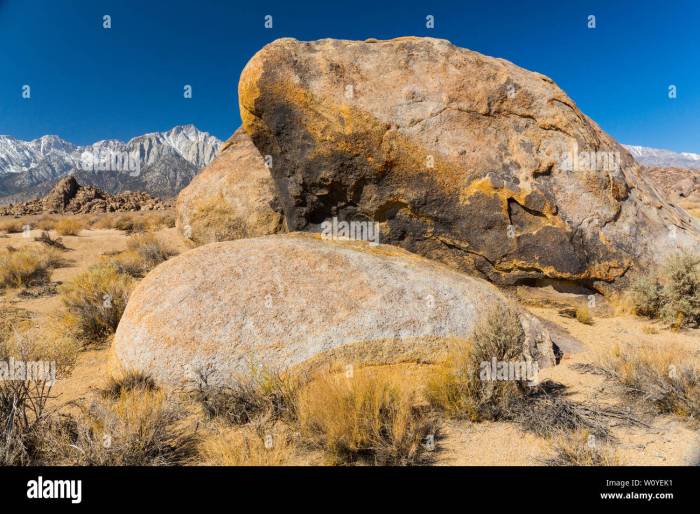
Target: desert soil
665,441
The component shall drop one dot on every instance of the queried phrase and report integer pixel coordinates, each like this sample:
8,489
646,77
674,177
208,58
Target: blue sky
88,83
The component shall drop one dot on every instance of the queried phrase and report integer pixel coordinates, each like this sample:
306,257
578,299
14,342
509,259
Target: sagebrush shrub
646,296
140,427
26,425
671,293
681,291
94,302
457,387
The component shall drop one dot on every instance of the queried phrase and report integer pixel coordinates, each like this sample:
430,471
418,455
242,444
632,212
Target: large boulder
283,301
232,198
461,157
679,185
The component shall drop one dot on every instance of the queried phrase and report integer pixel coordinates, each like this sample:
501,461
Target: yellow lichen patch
380,250
607,270
482,185
485,186
406,157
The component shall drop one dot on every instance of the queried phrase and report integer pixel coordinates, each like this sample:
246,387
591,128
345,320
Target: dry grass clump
129,263
582,449
24,421
18,341
245,446
144,252
93,303
368,419
69,226
130,223
583,315
46,223
102,221
264,394
672,293
650,330
134,222
161,219
452,387
214,219
27,266
13,226
664,377
13,319
129,381
364,419
141,426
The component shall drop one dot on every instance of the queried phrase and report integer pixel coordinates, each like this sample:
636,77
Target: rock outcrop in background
679,185
232,198
69,197
226,309
461,157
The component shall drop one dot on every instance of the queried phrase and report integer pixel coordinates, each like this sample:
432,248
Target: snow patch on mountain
664,158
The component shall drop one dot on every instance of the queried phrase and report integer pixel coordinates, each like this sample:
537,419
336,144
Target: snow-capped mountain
27,167
17,155
665,158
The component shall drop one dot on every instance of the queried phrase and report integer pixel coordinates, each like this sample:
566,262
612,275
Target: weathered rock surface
69,197
681,185
461,158
287,300
232,198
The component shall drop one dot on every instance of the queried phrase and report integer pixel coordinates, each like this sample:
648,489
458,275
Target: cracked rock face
232,198
284,301
460,157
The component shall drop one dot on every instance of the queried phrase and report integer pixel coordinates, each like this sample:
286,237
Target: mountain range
664,158
159,163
